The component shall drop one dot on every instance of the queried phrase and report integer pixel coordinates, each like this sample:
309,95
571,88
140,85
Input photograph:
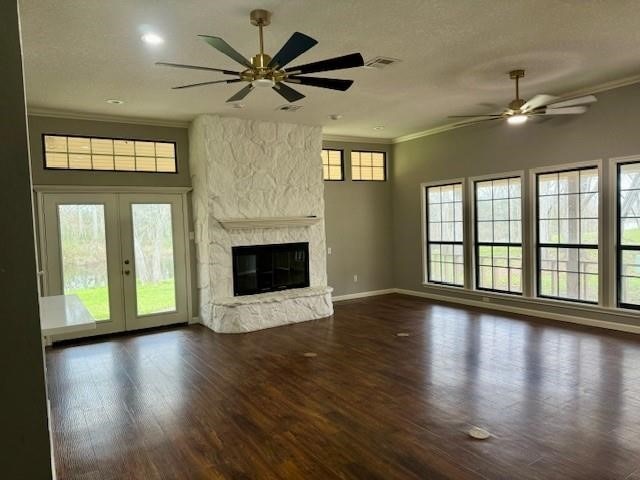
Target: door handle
127,272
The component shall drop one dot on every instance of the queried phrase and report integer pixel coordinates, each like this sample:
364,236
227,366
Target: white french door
123,254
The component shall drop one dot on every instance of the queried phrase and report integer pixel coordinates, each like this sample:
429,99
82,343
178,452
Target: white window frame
425,226
524,220
532,207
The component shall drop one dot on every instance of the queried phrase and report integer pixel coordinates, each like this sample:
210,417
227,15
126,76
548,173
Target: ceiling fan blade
574,101
577,110
297,44
222,46
338,63
537,102
332,83
241,94
206,83
287,92
468,123
196,67
493,115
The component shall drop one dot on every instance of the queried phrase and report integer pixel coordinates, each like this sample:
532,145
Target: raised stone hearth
256,172
255,312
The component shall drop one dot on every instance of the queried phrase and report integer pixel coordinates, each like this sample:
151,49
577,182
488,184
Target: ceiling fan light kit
519,111
517,119
262,70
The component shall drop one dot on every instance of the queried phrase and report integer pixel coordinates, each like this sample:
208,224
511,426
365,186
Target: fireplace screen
269,268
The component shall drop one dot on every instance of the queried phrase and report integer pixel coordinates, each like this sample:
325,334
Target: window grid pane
368,166
332,165
108,154
498,242
629,235
444,223
568,264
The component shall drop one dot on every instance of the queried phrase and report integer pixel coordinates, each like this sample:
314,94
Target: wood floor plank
561,401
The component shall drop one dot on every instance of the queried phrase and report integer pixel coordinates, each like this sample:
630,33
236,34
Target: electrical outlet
355,278
329,251
486,299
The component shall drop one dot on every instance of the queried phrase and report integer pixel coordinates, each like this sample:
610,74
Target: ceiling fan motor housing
516,104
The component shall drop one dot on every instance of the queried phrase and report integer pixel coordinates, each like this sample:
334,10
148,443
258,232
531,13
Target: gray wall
358,219
25,439
41,125
608,129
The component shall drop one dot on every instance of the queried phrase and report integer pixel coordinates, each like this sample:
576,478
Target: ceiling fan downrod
261,19
516,75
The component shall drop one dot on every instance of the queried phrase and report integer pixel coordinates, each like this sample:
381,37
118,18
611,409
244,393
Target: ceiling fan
265,71
519,111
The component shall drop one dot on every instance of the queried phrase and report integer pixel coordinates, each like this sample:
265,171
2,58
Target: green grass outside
152,298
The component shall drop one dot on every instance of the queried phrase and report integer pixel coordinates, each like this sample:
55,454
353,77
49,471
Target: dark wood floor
562,402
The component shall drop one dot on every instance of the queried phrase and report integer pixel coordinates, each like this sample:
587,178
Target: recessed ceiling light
335,116
114,101
379,127
152,39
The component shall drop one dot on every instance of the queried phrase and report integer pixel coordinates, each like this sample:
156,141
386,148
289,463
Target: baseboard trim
622,327
371,293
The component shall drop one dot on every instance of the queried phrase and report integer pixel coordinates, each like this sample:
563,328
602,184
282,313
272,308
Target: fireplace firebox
269,268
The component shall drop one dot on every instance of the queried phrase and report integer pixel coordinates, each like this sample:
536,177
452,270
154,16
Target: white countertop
64,314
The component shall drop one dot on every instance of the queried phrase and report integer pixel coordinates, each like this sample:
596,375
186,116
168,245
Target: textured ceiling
455,55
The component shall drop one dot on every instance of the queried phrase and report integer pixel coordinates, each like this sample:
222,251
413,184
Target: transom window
445,249
332,168
108,154
368,166
567,232
498,239
629,235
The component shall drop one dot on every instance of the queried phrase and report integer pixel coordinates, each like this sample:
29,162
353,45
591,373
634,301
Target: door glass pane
153,250
84,256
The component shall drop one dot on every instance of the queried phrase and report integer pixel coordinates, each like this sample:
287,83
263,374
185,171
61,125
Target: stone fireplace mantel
267,222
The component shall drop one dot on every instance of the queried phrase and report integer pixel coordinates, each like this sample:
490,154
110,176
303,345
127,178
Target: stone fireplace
257,184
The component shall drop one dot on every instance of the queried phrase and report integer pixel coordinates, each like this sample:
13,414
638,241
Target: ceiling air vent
289,107
381,62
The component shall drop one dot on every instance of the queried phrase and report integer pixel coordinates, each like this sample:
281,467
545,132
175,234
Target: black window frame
620,248
478,244
428,242
342,175
384,165
539,246
98,137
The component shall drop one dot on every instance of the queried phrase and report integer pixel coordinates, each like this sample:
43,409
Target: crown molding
45,112
351,139
602,87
